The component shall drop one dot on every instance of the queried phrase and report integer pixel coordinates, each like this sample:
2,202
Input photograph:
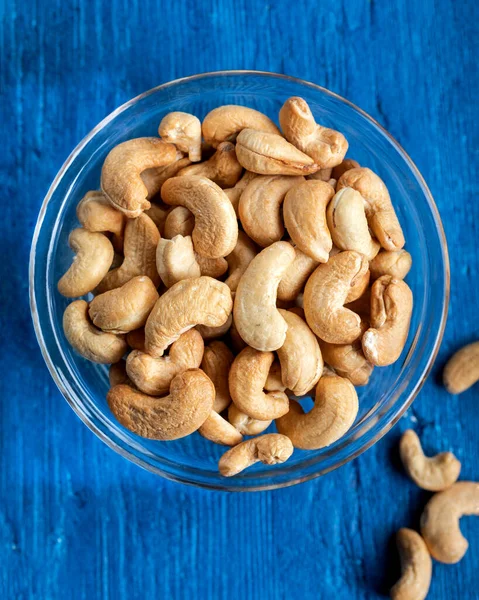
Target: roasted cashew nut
434,474
93,257
326,147
219,431
346,165
238,261
141,239
225,122
216,229
183,130
126,308
274,381
304,212
391,310
234,193
117,374
440,520
120,175
136,339
271,154
216,363
211,333
325,295
416,567
379,209
270,449
153,376
462,369
247,379
156,177
255,314
332,415
90,342
171,417
175,260
244,423
191,302
96,214
396,263
260,207
321,175
223,167
294,279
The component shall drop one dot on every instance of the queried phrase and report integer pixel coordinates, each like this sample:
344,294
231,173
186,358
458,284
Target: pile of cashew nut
232,266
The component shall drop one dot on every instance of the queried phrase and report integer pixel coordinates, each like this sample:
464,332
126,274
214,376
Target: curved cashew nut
260,207
156,177
346,165
219,431
348,224
90,342
270,449
136,339
300,356
225,122
434,474
274,381
271,154
153,376
326,146
358,288
396,263
462,369
334,411
158,213
379,209
440,520
120,175
234,193
96,214
238,261
141,239
183,130
201,301
94,255
245,424
247,378
304,212
175,260
255,314
295,276
391,310
325,295
171,417
216,363
216,229
416,567
223,167
117,374
124,309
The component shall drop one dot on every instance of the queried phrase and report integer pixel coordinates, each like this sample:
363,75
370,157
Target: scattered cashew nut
416,567
270,449
462,370
183,130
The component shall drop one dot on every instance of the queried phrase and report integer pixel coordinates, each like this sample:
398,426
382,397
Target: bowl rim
132,457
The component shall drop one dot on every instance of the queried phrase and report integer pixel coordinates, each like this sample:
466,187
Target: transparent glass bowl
391,390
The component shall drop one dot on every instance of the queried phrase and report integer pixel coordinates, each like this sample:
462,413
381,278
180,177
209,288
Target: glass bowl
391,390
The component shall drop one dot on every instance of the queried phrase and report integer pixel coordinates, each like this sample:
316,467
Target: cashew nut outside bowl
416,567
269,449
462,369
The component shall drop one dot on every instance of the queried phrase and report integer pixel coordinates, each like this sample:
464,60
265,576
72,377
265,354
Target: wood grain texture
76,520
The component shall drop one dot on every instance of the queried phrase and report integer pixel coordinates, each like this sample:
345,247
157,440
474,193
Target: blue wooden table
76,520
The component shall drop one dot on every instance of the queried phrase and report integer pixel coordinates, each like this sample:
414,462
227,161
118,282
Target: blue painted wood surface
78,521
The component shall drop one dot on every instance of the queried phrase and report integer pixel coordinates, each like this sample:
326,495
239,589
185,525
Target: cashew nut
295,276
346,165
117,374
462,370
379,209
225,122
217,360
304,214
139,248
211,333
434,474
274,381
325,295
440,520
158,213
223,167
334,411
391,309
237,341
156,177
271,154
300,356
171,417
136,339
120,175
126,308
416,567
247,378
200,301
219,431
348,224
93,257
245,424
255,314
395,263
183,130
321,175
326,146
362,305
216,229
243,253
175,260
96,214
270,449
260,207
234,193
358,288
90,342
180,221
